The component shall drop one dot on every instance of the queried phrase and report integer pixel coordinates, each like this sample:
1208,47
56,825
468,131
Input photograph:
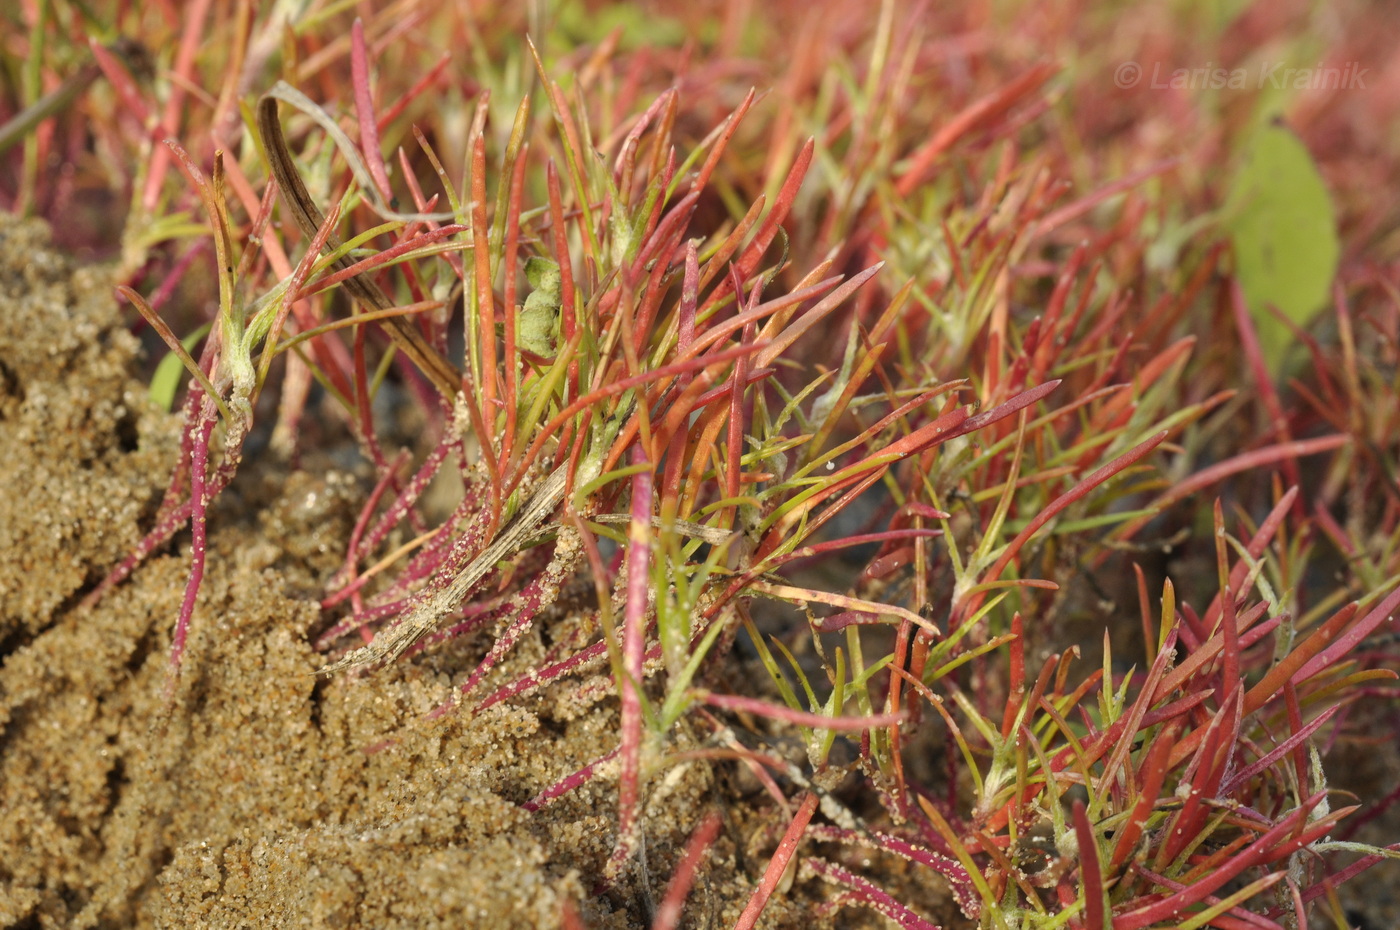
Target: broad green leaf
1284,230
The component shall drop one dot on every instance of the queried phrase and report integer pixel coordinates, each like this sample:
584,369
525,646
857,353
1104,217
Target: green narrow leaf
1284,231
166,380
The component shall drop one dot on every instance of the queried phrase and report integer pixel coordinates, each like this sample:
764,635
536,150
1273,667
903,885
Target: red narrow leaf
364,109
772,875
1152,774
1348,641
1256,546
193,16
1093,480
1090,872
748,260
1259,369
782,340
726,132
567,323
512,246
1006,409
1243,462
1085,204
1173,905
484,298
1017,679
1203,777
115,70
374,261
1230,669
978,114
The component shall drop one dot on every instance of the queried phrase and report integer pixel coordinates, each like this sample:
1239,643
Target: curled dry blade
444,375
393,641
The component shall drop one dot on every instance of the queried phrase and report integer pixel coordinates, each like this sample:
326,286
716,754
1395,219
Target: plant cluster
861,396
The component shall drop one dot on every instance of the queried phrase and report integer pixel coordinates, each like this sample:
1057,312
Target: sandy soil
252,799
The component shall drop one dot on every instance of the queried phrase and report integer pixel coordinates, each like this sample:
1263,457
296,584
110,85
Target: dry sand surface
262,795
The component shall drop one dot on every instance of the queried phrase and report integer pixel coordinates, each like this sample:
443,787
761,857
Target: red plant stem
474,616
773,875
173,512
668,915
952,871
199,501
865,892
171,521
431,562
634,629
539,592
396,511
537,678
568,783
367,511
